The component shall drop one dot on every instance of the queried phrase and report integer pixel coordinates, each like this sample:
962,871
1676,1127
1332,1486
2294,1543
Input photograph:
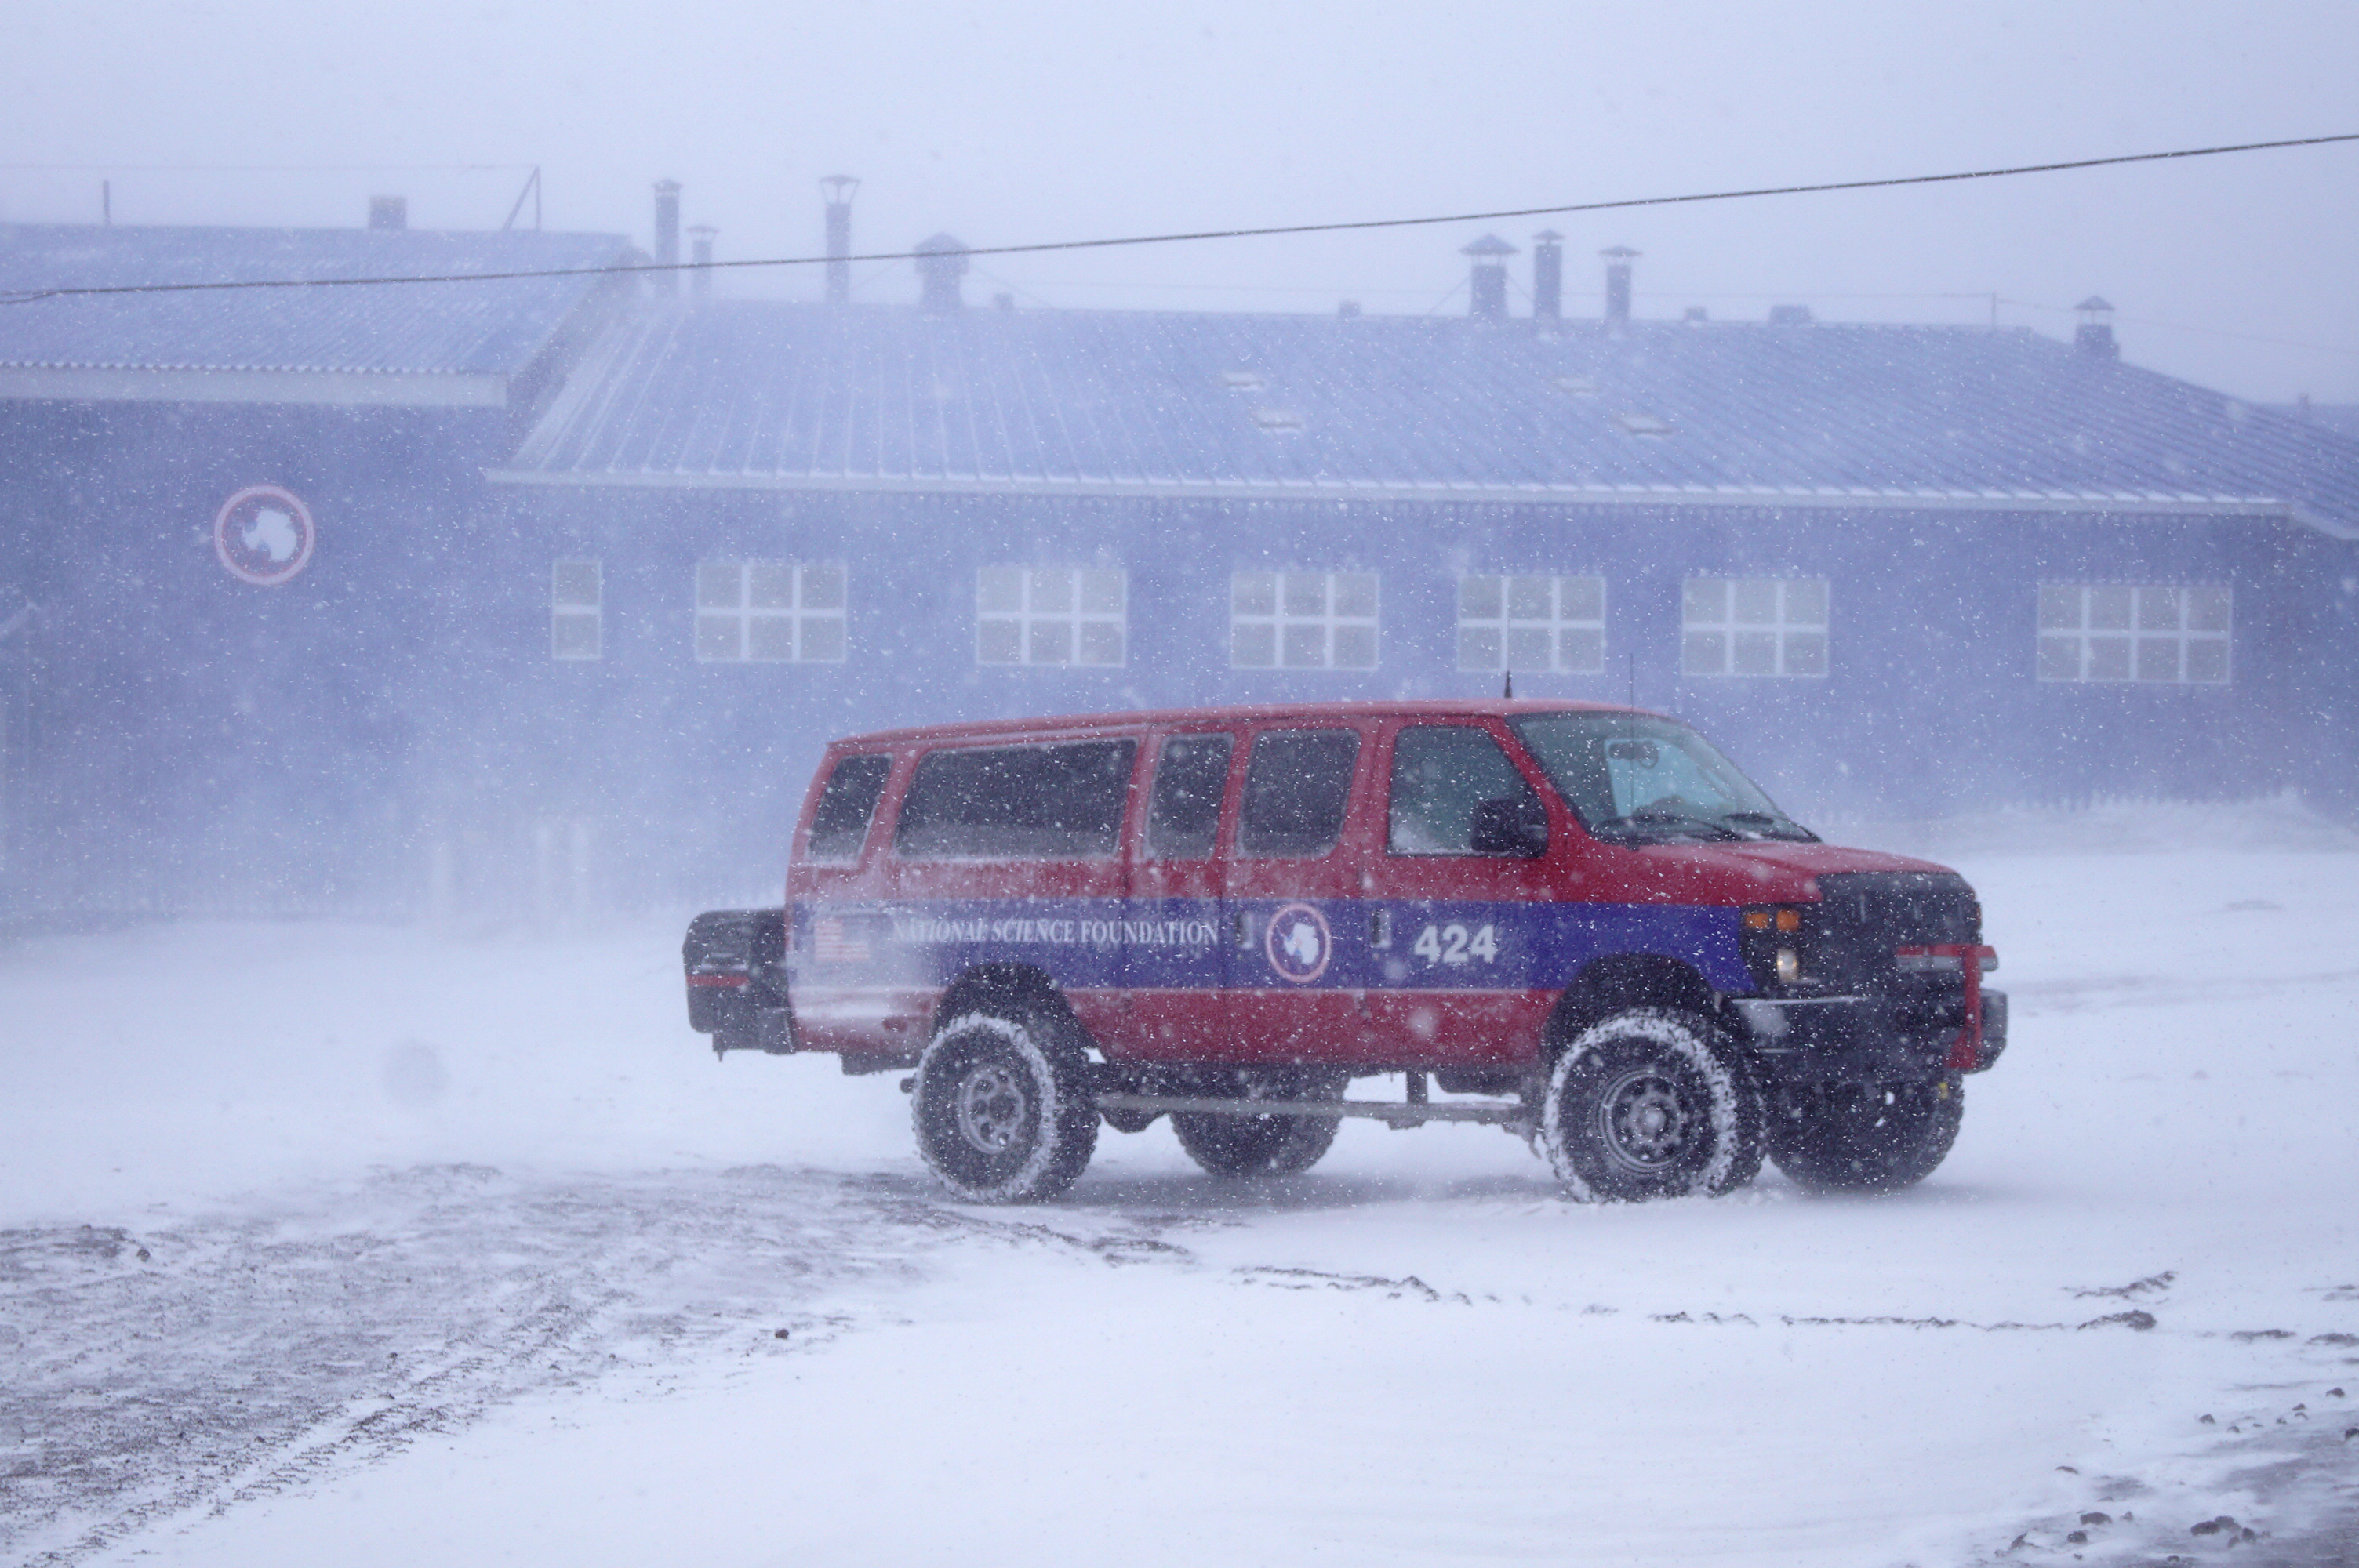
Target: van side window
840,824
1297,786
1454,793
1026,803
1184,812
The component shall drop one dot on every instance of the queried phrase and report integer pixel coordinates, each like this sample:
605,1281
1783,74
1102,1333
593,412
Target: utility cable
1199,235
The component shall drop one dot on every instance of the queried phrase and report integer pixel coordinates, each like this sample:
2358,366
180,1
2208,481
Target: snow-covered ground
386,1246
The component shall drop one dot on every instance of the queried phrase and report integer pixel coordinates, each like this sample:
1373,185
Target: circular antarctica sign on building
262,534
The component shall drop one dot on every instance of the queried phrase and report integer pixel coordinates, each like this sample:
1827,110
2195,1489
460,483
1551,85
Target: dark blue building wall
387,732
1930,705
180,738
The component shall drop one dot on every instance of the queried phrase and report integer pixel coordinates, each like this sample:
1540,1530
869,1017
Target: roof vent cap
2094,335
1790,316
1487,283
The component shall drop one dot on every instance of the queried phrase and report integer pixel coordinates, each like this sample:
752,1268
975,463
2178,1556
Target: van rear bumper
732,964
1862,1038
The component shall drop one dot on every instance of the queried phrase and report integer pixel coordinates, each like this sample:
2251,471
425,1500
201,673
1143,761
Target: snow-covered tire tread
1675,1043
1261,1145
1904,1142
1061,1118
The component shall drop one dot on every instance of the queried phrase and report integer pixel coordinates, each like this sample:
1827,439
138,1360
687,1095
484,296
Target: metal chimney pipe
941,261
667,235
1617,289
701,253
1548,276
1486,284
840,189
388,212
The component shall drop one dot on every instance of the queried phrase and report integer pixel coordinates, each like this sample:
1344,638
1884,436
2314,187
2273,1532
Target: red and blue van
1576,921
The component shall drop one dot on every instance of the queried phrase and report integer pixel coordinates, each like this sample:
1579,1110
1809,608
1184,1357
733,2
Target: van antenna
1633,677
1508,694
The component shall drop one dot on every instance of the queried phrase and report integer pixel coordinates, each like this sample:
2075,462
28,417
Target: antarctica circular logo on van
1298,943
262,534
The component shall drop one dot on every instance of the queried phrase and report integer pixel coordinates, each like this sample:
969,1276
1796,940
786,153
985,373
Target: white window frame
754,623
1543,598
1299,611
1757,614
2103,633
1057,617
570,614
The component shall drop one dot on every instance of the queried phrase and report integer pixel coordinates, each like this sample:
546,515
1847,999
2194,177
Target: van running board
1398,1113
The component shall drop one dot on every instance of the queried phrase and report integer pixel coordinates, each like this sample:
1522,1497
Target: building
172,736
591,654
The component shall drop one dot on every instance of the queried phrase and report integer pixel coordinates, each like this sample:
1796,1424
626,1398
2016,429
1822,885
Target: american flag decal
831,946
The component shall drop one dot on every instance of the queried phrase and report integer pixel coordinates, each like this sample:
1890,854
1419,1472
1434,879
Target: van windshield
1634,778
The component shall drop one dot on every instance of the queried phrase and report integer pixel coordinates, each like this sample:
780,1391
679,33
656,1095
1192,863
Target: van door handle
1380,928
1241,928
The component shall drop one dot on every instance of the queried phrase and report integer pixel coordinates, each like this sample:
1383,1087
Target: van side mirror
1516,826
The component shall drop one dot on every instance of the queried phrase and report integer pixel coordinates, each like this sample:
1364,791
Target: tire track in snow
188,1370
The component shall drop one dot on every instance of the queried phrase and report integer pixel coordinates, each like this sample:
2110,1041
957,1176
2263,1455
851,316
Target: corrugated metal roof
764,395
467,329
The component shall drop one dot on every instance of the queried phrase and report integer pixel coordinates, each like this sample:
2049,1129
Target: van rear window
840,824
1297,785
1035,803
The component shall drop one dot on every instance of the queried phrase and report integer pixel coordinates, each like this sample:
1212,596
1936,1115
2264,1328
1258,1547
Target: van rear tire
1262,1145
1002,1105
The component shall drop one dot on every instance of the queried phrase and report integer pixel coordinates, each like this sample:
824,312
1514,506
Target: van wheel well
1001,988
1623,980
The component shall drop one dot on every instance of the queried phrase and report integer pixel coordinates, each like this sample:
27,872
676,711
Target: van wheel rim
990,1109
1643,1121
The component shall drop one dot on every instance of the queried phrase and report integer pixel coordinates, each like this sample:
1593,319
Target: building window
1303,621
1754,626
770,612
1532,623
2108,632
576,610
1051,615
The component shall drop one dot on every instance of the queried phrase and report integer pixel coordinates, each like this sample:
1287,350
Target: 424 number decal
1456,945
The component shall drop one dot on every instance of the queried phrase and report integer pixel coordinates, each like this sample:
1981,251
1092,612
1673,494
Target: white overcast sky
1027,120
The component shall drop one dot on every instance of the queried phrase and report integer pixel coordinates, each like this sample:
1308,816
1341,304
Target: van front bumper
1865,1038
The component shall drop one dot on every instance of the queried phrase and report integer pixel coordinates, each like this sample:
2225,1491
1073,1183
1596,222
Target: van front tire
1651,1103
1002,1106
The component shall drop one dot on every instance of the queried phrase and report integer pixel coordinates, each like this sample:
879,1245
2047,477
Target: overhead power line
261,168
1190,236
